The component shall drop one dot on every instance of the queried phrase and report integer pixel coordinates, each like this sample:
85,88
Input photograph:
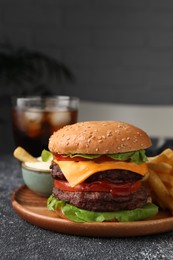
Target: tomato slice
116,189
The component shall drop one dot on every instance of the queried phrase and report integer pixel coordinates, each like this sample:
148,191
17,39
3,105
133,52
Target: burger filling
110,193
110,190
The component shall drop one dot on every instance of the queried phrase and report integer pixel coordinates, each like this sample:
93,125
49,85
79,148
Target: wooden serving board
33,208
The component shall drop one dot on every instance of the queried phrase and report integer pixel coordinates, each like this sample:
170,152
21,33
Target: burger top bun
98,137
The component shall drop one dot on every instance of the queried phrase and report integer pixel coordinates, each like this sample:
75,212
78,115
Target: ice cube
60,118
34,116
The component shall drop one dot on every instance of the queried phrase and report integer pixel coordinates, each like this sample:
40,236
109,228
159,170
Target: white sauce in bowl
40,165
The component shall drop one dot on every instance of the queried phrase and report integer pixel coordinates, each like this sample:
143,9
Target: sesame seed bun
98,137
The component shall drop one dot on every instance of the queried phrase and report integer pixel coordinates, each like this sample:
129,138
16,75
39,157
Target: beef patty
102,201
112,175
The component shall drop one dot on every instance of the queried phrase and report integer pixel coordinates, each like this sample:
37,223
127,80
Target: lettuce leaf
86,156
46,155
80,215
134,156
53,203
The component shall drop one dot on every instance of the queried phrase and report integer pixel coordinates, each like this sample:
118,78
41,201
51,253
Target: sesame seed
135,140
109,133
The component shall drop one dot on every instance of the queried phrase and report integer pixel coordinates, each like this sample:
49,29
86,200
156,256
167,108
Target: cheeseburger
98,168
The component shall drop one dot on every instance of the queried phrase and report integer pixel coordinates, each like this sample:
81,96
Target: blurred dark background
118,51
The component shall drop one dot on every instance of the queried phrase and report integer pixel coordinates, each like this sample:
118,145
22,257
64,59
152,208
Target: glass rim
61,97
46,102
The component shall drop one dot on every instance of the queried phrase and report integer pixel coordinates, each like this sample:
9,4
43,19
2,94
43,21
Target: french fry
23,156
157,201
168,152
160,167
166,156
160,179
159,158
166,179
160,191
170,189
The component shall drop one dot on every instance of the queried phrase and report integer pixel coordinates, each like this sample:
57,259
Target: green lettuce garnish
46,155
80,215
86,156
135,156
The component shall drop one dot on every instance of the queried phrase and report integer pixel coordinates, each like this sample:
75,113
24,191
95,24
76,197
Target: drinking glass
34,119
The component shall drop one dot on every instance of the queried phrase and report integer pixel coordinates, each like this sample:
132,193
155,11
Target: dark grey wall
119,50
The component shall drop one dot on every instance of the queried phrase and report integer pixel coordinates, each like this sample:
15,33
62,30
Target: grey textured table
21,240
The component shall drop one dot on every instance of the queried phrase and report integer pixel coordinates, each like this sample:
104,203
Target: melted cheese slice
77,172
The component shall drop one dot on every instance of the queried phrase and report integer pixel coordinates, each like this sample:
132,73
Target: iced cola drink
35,119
